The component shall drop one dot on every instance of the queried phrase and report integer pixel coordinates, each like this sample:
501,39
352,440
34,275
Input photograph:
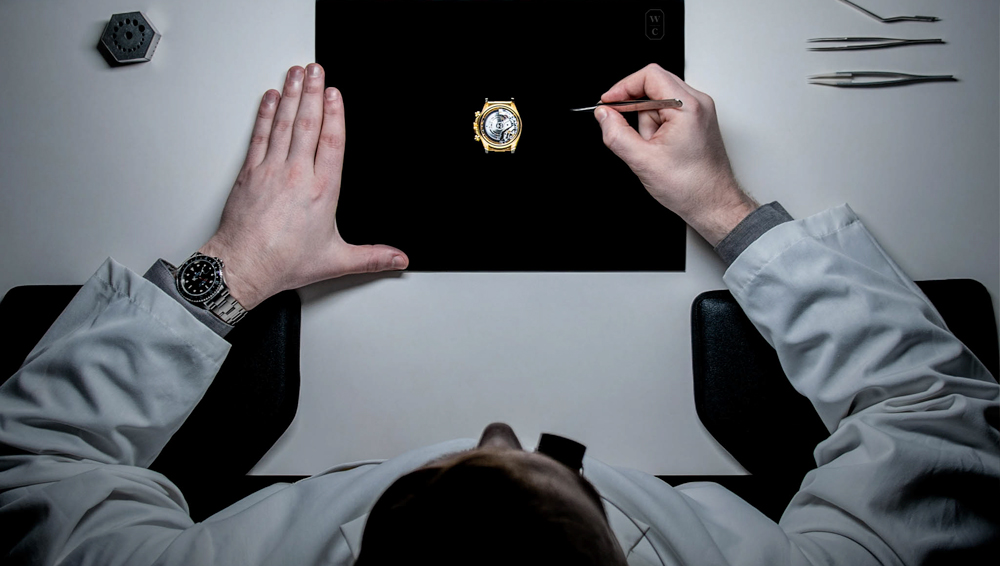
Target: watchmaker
908,475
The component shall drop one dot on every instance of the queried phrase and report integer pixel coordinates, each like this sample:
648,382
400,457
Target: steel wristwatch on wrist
200,281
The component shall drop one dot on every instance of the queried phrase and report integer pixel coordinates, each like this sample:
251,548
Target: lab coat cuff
159,274
745,269
755,225
167,309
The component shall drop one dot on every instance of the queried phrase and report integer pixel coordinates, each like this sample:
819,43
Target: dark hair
481,509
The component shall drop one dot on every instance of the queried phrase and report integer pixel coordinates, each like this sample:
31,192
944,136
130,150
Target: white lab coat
913,416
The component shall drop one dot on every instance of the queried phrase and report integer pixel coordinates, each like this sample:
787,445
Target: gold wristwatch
498,125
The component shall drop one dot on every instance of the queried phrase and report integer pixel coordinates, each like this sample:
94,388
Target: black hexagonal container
128,38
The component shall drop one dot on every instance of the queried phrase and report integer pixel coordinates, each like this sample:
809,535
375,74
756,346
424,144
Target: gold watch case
498,126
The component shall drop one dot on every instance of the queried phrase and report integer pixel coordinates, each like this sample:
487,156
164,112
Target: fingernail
297,74
601,113
313,70
331,94
270,98
398,262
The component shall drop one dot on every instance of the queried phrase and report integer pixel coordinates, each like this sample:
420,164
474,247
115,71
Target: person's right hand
678,152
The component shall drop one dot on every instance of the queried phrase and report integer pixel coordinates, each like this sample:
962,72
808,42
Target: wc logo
654,24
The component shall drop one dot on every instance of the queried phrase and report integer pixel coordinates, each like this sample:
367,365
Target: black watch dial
199,279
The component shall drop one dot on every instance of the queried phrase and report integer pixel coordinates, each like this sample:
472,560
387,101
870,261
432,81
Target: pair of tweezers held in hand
861,79
635,105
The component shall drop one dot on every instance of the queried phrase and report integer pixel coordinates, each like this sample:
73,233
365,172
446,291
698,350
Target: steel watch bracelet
226,307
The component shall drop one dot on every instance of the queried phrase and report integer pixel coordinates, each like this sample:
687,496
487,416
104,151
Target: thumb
372,259
620,138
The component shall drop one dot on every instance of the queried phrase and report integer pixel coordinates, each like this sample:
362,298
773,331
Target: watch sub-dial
500,126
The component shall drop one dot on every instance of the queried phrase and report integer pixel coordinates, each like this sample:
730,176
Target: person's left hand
278,228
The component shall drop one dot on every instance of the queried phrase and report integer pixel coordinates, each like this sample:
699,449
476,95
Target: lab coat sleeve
911,471
92,406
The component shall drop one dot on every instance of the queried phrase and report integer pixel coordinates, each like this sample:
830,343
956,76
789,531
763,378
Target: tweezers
636,105
866,43
895,19
847,79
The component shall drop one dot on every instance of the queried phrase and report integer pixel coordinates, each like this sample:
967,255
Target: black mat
414,73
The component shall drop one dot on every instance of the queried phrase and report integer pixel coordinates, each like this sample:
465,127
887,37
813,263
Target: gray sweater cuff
159,274
752,227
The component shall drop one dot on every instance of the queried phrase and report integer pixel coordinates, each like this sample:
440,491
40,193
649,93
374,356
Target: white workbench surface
136,163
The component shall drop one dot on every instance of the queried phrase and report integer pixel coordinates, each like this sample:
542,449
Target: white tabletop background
136,163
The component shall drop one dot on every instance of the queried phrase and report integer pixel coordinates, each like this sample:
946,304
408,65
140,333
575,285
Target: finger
620,138
369,259
305,132
262,129
330,153
284,118
651,81
649,122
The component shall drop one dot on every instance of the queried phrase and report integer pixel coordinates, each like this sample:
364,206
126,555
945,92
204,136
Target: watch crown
478,113
476,138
